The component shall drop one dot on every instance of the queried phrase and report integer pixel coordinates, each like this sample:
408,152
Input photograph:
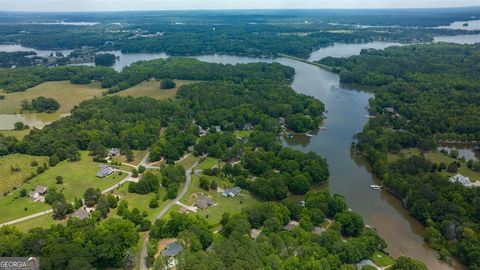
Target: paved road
127,178
188,181
145,164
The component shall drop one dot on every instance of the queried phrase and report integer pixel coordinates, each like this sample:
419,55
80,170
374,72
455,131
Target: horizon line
236,9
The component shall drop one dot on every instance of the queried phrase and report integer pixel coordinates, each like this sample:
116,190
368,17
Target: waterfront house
363,263
458,178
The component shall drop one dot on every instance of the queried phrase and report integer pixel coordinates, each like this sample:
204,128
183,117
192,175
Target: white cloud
97,5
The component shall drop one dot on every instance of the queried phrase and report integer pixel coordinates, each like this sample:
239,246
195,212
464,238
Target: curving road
11,222
188,181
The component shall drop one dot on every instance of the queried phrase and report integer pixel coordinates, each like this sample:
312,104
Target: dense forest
424,94
20,79
252,33
255,97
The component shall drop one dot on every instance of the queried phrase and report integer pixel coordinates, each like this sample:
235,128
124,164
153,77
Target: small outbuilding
255,233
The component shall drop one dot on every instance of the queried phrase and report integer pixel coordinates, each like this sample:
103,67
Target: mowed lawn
10,179
214,213
188,162
140,201
67,94
208,163
77,177
137,157
152,89
437,157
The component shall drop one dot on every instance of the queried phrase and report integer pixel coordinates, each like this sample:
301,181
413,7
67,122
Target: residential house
233,192
114,152
203,202
248,127
172,249
254,233
218,128
81,213
390,110
104,171
38,193
458,178
291,225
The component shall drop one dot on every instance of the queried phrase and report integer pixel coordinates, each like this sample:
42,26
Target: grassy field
152,89
208,163
77,177
381,259
242,133
44,221
214,213
12,179
140,201
19,134
137,157
437,156
67,94
188,161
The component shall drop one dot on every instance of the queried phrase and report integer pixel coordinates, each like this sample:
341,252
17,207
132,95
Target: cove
350,175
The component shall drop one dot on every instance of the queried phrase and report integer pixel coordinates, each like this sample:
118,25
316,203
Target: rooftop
172,249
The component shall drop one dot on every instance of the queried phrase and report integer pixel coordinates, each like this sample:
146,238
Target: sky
104,5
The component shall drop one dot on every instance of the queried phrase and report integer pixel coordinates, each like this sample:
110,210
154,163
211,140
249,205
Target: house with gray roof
172,249
114,152
232,192
38,193
203,202
81,213
104,171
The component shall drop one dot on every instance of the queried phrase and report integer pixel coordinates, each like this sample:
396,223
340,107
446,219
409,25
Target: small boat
308,135
375,187
290,135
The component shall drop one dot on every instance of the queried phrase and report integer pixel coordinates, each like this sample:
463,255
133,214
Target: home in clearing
82,213
458,178
233,192
114,152
254,233
104,171
172,250
203,202
38,193
291,225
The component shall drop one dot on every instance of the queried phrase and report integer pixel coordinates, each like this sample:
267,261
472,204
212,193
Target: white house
458,178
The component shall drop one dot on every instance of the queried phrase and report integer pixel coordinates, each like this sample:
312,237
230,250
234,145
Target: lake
20,48
459,25
459,39
349,175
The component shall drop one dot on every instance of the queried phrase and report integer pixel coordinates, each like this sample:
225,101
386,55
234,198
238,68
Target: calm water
20,48
351,176
472,25
345,50
459,39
